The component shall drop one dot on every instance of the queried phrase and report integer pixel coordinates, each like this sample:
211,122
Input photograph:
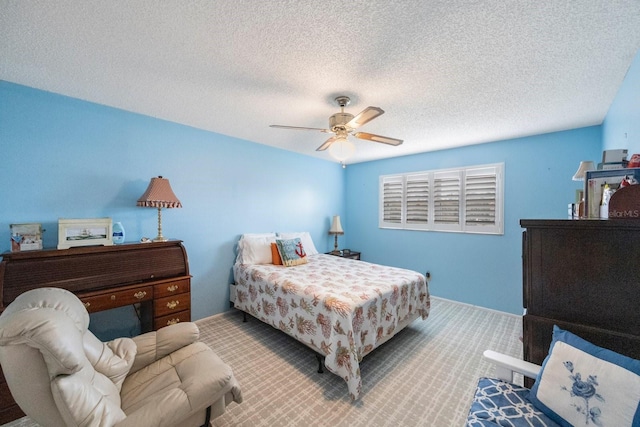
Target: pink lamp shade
159,195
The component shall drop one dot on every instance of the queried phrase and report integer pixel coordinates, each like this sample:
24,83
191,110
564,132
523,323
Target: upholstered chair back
60,373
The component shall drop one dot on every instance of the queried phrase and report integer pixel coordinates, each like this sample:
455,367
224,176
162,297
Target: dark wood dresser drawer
171,304
172,287
10,413
9,409
107,300
172,319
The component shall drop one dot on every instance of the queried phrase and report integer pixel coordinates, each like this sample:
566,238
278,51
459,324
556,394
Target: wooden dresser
582,275
155,275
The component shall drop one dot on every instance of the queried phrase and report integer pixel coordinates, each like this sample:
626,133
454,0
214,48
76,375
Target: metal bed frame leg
320,360
207,420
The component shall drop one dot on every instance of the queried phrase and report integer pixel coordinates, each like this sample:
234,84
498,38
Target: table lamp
159,195
336,229
580,175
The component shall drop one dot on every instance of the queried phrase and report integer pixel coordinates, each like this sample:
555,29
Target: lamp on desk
336,229
580,175
159,195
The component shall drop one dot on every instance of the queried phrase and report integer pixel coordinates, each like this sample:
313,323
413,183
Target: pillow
255,250
304,237
291,251
275,254
239,257
257,235
583,384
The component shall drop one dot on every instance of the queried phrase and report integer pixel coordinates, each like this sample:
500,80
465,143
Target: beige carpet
425,376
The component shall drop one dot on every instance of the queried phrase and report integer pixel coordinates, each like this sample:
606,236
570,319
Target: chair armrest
506,366
155,345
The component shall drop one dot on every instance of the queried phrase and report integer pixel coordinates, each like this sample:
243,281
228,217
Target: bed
341,308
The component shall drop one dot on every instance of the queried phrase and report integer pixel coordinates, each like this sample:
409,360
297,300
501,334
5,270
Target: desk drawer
161,322
117,299
10,413
9,409
171,304
172,288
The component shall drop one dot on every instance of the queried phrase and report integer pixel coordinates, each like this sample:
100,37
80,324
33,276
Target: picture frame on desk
594,183
26,237
85,232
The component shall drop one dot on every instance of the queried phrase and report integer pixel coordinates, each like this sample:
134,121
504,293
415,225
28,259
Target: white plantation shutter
392,200
447,191
417,200
464,200
482,193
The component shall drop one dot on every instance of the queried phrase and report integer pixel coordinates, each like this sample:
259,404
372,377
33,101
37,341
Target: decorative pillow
275,254
255,250
583,384
291,251
304,237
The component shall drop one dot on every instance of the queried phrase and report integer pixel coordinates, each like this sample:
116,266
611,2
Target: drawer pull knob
172,304
172,322
87,304
172,288
140,295
113,297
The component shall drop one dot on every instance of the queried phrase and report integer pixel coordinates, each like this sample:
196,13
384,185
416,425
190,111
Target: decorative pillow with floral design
581,384
291,252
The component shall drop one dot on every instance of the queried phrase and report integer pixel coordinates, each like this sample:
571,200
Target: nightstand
350,254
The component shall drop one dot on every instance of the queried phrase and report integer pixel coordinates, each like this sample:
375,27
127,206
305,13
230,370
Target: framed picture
594,184
85,232
26,237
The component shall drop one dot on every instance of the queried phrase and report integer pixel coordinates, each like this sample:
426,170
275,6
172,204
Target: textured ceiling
448,73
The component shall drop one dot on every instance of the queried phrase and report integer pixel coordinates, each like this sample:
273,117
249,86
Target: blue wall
66,158
483,270
621,127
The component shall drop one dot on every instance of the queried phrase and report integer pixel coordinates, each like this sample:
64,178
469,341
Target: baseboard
477,306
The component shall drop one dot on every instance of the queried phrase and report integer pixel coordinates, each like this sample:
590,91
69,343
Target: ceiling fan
342,124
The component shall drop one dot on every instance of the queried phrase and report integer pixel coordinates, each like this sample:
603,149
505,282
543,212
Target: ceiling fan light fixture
341,149
365,116
343,124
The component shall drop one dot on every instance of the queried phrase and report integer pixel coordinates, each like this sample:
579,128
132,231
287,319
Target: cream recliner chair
60,374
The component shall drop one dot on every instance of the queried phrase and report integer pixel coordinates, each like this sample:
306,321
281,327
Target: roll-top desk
156,275
583,276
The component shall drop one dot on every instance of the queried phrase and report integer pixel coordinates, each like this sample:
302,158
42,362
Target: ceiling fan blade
327,143
299,128
365,116
378,138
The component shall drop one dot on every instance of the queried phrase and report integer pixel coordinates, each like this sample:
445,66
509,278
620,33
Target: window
467,200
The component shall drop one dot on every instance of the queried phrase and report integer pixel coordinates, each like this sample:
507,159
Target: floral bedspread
341,308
